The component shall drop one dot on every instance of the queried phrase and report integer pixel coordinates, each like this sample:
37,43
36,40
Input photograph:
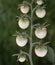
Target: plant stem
31,32
30,58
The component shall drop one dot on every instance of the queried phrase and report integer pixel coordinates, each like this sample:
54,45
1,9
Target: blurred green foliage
8,26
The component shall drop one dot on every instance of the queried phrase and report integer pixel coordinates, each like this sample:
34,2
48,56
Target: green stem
31,32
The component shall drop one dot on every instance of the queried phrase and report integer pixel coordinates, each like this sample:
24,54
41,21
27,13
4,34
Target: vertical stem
30,58
31,32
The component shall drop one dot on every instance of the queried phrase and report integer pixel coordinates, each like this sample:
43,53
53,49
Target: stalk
31,32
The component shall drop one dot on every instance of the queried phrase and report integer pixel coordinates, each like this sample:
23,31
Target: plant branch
46,43
15,54
26,16
25,2
23,52
30,58
31,32
35,8
36,43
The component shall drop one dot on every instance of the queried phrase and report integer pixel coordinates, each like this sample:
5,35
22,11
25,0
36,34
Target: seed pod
24,8
23,23
41,51
40,33
21,58
40,12
39,2
21,41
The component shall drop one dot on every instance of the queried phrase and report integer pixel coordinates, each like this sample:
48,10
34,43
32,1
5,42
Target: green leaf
51,55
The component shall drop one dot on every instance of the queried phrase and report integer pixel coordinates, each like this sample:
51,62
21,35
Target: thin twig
35,8
25,2
47,25
44,23
36,43
15,54
23,52
46,43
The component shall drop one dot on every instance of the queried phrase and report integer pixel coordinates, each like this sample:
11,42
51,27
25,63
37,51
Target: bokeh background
8,26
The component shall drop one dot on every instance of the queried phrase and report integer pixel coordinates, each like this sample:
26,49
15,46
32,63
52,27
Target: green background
8,26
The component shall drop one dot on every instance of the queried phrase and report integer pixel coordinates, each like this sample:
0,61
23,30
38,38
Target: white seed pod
39,2
41,51
40,33
23,23
21,41
40,12
22,59
24,9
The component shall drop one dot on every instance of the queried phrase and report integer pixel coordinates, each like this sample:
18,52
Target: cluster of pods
40,31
